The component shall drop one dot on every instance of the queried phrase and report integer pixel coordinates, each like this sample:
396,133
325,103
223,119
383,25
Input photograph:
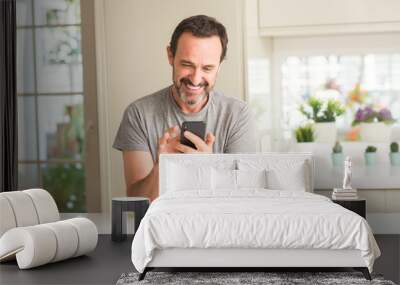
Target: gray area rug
269,278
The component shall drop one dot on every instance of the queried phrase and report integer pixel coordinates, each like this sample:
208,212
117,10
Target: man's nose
196,77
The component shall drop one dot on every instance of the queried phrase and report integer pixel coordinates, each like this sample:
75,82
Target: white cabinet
313,17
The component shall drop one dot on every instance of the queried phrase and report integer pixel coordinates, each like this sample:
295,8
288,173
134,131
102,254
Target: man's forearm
146,187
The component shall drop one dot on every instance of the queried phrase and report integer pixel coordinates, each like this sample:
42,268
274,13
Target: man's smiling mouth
190,86
193,87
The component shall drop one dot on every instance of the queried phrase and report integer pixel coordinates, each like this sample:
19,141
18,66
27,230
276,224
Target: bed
248,210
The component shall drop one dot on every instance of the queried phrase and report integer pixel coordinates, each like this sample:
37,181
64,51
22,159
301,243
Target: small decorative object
347,192
394,154
370,155
347,173
337,155
324,114
305,133
374,124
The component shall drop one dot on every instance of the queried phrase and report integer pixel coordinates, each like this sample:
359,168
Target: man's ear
170,55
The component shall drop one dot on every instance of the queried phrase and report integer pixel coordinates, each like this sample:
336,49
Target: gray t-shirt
147,119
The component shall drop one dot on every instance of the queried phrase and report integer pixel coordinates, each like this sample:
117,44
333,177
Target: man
150,125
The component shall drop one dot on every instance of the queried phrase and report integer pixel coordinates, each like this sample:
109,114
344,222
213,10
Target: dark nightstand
138,205
358,206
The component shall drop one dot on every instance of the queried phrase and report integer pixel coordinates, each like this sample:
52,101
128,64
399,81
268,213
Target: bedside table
138,205
358,206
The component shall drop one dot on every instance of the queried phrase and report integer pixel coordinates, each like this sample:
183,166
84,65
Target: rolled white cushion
33,246
7,218
37,245
67,239
23,208
87,235
45,205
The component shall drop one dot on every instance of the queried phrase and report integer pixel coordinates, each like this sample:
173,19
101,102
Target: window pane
57,12
25,68
28,176
395,71
61,131
24,13
59,60
27,129
66,184
355,80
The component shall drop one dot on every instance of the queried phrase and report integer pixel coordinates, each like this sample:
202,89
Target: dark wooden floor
110,260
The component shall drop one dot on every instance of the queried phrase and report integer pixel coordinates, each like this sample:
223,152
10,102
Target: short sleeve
131,134
243,135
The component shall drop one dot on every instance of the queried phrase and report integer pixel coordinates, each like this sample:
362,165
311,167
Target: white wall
258,81
131,41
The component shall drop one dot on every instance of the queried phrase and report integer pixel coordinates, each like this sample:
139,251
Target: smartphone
196,127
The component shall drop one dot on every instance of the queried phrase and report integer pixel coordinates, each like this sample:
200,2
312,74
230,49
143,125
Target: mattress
252,218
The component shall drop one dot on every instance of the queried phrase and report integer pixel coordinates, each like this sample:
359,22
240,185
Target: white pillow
294,180
224,179
188,177
229,179
281,174
252,178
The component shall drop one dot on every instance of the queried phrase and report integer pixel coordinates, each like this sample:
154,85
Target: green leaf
305,133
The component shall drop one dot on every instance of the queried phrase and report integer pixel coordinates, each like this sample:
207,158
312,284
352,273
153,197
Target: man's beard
186,98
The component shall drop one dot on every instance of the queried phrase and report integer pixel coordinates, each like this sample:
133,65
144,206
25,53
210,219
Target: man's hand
168,142
202,146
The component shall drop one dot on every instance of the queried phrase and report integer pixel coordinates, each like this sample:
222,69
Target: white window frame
318,45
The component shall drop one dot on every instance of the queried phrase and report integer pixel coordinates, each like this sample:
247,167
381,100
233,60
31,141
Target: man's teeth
191,87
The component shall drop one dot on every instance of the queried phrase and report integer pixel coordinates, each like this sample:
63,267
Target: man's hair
200,26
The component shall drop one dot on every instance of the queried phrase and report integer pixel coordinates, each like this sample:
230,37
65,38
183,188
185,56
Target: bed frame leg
364,271
143,274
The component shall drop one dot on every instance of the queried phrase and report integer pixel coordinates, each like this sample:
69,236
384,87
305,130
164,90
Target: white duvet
251,218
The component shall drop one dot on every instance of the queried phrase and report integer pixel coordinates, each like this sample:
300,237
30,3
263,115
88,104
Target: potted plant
305,133
394,154
324,114
337,155
370,155
374,124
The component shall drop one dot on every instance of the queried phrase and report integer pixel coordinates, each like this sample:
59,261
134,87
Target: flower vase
370,158
325,132
337,159
375,132
395,158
